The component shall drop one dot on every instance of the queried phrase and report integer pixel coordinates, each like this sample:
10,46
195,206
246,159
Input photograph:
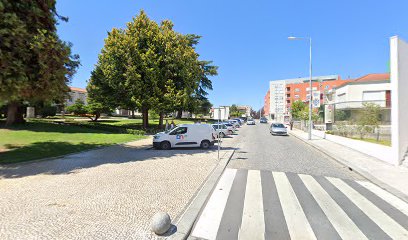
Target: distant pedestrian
291,124
167,125
172,124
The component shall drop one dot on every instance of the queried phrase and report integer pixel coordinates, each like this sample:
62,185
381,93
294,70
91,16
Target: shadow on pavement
70,164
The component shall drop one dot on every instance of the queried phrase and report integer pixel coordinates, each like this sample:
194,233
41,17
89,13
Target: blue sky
248,39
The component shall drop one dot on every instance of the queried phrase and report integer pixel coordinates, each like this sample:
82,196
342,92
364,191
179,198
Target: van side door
179,137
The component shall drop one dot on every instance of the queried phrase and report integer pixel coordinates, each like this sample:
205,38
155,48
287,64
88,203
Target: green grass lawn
137,123
36,140
382,142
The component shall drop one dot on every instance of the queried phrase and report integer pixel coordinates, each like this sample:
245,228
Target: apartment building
282,93
266,106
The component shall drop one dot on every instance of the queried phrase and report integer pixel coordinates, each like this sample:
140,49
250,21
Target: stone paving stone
107,193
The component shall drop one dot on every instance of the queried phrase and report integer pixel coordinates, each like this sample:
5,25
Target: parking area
105,193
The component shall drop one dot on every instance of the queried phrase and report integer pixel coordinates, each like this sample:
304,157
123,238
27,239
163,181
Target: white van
186,135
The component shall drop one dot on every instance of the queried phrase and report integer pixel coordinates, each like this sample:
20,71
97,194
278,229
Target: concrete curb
356,168
187,219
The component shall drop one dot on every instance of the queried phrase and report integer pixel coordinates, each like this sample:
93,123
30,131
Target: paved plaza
107,193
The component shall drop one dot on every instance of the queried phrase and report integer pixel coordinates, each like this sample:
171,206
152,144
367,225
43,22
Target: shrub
47,111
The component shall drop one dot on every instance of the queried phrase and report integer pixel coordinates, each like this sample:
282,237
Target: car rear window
279,125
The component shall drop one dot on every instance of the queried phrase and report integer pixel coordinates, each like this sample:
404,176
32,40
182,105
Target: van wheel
205,144
222,135
165,145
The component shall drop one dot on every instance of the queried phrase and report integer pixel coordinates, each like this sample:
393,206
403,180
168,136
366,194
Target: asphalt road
278,187
258,149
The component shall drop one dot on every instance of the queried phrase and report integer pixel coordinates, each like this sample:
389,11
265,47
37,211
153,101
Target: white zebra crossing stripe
298,225
209,221
387,224
253,224
337,217
386,196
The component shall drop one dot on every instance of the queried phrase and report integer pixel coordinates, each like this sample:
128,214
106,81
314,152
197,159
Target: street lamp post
310,82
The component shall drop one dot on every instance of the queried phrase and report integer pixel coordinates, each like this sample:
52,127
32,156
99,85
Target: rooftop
374,77
75,89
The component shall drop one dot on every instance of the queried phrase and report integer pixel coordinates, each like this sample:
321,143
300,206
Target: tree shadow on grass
53,127
37,150
71,164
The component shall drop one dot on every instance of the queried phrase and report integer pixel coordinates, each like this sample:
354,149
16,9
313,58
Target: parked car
239,120
251,122
278,129
231,128
186,135
263,120
236,123
221,130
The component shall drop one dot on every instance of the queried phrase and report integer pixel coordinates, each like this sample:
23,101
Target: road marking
253,224
209,221
345,227
298,225
386,196
387,224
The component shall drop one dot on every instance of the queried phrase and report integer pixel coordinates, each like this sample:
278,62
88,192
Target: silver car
278,129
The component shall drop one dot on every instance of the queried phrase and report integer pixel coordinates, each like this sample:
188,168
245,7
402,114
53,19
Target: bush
47,111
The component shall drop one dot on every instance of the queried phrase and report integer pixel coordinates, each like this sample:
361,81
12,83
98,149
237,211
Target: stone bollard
30,112
160,223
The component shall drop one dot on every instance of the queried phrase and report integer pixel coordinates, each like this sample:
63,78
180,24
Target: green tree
297,109
370,118
34,63
150,67
78,108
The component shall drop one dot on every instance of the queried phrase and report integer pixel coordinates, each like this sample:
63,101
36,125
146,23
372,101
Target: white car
251,122
221,130
185,135
236,123
231,128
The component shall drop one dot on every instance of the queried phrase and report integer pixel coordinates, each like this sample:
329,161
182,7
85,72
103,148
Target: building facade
267,104
282,93
374,88
76,94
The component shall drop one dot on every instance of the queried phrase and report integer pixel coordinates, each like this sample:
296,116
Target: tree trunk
14,114
161,116
133,113
179,114
145,113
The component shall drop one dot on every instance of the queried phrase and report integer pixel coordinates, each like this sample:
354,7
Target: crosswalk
253,204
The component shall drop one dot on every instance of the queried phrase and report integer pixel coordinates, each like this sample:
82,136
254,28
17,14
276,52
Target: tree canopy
149,66
35,65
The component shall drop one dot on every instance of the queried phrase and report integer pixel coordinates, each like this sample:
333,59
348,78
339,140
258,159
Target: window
179,130
296,96
341,97
373,95
326,87
297,90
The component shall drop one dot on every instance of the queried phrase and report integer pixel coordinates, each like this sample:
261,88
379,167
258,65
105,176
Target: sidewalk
392,178
105,193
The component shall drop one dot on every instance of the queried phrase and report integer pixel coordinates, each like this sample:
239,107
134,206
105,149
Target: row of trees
35,65
149,66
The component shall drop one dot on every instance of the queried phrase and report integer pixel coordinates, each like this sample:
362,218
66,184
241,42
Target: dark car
263,120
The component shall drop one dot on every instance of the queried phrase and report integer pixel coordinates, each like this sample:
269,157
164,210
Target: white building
245,109
75,94
220,113
278,98
371,88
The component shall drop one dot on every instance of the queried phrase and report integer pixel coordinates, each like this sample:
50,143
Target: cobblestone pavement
108,193
260,150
